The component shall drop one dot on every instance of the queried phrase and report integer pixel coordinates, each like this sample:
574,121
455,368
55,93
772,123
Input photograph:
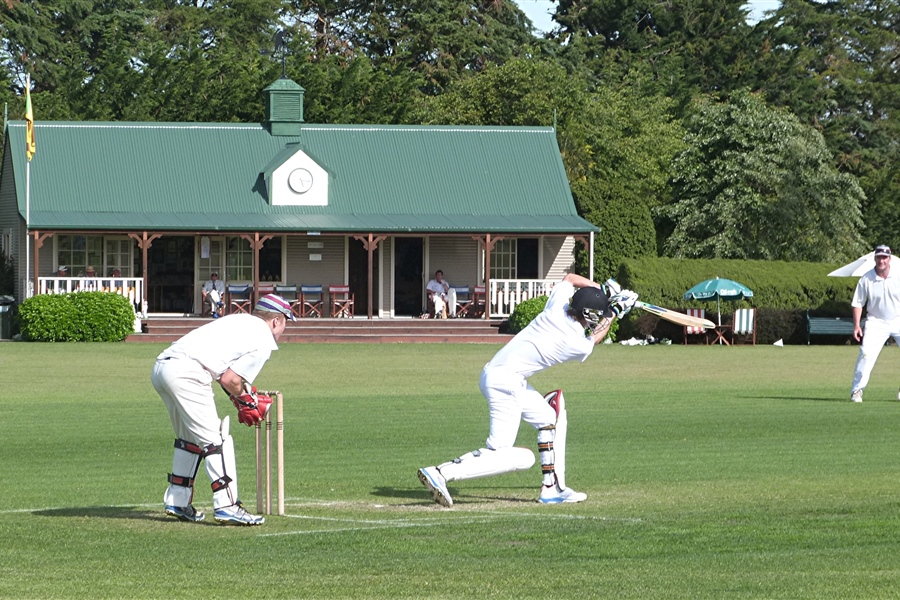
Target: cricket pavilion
375,208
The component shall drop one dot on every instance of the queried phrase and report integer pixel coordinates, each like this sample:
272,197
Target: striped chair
743,325
695,331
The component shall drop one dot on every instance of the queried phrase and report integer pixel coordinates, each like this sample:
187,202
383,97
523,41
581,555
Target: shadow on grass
420,493
804,398
112,512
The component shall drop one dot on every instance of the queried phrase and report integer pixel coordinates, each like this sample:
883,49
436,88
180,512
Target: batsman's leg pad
221,467
185,463
558,442
485,462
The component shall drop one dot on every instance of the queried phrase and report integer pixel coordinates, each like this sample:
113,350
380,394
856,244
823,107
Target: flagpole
28,288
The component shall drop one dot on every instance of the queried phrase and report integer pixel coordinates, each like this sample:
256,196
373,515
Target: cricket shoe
185,513
436,484
857,396
551,494
236,515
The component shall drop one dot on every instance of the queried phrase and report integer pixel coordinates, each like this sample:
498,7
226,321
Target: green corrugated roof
178,176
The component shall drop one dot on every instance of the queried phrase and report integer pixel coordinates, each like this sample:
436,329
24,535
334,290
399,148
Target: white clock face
300,180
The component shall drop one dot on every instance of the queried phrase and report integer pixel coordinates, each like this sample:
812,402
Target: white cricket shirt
881,297
553,337
240,342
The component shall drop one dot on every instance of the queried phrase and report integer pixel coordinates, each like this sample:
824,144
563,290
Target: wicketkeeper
569,327
232,351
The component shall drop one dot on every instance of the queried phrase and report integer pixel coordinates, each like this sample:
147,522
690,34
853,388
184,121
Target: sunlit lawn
710,472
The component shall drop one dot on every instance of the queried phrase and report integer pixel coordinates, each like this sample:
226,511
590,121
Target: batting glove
612,287
622,302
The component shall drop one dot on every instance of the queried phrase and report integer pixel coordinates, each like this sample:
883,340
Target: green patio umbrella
718,289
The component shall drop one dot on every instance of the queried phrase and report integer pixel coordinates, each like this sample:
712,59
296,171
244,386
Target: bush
78,317
525,313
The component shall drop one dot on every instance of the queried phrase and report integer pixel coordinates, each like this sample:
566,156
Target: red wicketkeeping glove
251,407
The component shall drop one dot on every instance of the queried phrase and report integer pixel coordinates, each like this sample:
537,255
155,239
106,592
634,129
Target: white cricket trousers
185,387
875,334
512,400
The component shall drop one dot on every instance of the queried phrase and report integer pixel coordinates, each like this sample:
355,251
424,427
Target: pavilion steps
355,330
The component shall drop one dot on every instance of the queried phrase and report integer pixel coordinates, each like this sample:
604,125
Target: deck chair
743,326
695,331
264,288
240,299
312,301
291,295
464,301
341,300
479,298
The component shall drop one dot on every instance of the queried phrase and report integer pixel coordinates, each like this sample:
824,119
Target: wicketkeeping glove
622,302
251,407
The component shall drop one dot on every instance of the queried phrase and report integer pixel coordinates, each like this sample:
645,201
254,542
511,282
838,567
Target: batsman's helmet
592,303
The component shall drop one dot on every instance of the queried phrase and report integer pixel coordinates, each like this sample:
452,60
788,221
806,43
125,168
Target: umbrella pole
719,313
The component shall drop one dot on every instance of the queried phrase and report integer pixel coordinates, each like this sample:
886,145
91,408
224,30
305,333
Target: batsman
231,350
577,317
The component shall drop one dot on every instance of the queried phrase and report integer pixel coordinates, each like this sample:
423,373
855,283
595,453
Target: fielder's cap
63,268
216,273
591,298
277,304
882,250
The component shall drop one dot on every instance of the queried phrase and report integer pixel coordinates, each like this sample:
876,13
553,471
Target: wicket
278,401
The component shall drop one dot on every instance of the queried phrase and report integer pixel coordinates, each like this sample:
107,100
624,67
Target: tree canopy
782,135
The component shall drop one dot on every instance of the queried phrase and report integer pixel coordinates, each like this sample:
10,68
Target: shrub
525,312
78,317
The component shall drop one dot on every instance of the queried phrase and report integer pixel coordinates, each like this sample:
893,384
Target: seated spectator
438,290
213,293
62,286
90,282
116,283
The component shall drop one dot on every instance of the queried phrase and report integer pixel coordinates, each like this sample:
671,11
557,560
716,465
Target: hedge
76,317
782,293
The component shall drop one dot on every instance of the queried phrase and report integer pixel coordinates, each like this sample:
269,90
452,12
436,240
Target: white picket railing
506,294
131,287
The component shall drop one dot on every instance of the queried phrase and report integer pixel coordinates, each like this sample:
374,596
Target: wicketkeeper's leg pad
185,463
221,467
486,462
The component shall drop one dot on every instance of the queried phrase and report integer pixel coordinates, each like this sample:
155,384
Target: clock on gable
300,181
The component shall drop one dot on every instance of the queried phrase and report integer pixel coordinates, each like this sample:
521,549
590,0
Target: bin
7,303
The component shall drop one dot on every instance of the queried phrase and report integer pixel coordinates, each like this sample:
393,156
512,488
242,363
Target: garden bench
829,326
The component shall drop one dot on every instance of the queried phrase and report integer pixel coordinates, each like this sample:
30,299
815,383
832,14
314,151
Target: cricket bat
675,316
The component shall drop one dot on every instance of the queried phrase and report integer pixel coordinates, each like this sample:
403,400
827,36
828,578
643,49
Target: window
239,260
78,252
515,258
119,255
215,261
503,259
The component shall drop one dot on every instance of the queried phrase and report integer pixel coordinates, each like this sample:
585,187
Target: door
409,284
358,276
170,275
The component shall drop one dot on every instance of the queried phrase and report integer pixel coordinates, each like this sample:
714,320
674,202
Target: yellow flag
29,121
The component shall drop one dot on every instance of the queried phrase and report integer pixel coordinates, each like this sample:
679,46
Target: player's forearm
579,281
231,382
857,316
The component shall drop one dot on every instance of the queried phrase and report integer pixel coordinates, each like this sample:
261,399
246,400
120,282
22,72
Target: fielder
569,327
232,351
879,291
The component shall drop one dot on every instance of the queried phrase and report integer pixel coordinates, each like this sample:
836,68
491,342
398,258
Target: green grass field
711,473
